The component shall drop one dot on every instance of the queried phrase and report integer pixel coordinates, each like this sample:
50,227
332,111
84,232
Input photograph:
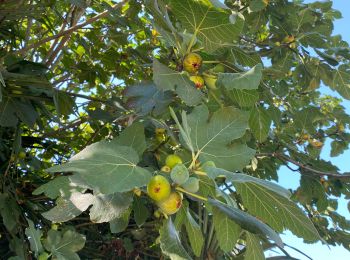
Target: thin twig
71,29
285,158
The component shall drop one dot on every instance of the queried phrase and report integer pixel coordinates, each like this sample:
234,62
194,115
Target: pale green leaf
259,123
226,230
108,207
243,97
58,187
212,26
244,80
108,167
34,235
254,248
170,242
168,79
279,212
213,139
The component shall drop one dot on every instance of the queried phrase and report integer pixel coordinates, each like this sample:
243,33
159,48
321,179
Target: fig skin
210,81
179,174
198,81
172,160
191,185
192,63
172,204
158,188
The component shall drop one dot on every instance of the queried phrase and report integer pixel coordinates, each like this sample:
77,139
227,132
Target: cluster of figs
192,64
162,192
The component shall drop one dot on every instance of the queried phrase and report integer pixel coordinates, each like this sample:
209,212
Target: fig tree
179,174
172,204
192,63
158,188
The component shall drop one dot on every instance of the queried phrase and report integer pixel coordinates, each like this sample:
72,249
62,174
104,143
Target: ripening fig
172,204
289,38
179,174
160,134
192,62
158,188
207,164
210,80
172,160
198,81
316,143
191,185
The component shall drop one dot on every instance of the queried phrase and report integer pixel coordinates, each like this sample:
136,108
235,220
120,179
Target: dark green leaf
247,221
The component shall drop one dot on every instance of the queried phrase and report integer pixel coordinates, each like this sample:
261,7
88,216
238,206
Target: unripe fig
172,204
219,68
192,62
157,214
43,256
198,81
278,44
158,188
208,164
210,80
289,38
179,174
172,160
191,185
22,155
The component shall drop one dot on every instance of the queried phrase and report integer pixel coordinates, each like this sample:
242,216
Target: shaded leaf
64,246
121,223
147,98
259,123
170,242
34,236
279,212
141,212
168,79
226,230
247,221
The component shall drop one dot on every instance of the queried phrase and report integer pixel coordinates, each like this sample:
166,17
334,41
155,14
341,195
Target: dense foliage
95,96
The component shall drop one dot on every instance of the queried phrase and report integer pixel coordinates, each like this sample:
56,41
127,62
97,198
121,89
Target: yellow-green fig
158,188
198,81
172,204
210,80
172,160
192,63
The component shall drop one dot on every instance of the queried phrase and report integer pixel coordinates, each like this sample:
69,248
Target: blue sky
290,179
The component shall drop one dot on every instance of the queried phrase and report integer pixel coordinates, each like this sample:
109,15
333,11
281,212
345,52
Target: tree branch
71,29
282,157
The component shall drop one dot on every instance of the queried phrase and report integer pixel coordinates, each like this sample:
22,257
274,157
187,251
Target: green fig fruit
179,174
191,185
